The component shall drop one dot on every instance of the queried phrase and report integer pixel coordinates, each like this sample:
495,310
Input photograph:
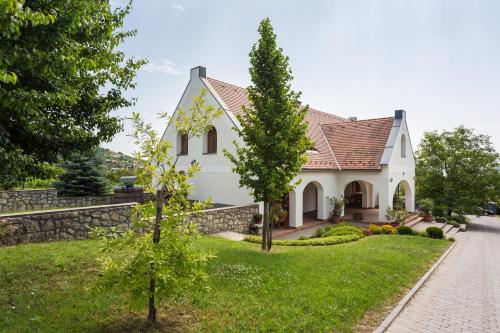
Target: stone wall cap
64,210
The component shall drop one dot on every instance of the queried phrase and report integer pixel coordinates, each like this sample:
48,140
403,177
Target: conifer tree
273,129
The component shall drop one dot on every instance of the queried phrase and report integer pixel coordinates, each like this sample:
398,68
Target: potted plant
257,218
396,216
426,206
337,205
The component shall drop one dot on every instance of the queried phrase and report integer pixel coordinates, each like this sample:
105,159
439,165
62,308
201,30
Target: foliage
426,205
114,175
454,223
366,231
337,205
61,76
451,239
343,230
460,218
257,218
331,240
54,280
273,128
375,229
404,230
459,170
84,174
33,182
388,229
441,219
434,232
397,215
161,261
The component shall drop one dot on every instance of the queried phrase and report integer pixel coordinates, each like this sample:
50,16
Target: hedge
308,242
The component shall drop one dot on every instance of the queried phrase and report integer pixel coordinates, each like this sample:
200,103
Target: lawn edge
404,301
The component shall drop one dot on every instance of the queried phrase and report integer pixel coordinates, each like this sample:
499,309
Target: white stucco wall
216,180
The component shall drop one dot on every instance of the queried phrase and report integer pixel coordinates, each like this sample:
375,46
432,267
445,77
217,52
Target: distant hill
117,160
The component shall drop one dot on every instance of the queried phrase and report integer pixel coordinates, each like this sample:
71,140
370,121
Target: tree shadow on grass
169,320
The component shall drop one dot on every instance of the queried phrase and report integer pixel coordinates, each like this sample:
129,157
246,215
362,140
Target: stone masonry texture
75,223
13,201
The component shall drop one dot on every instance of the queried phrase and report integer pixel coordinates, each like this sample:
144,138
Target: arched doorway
361,205
402,197
312,201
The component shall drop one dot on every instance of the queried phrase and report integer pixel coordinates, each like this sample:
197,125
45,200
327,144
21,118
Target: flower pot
427,218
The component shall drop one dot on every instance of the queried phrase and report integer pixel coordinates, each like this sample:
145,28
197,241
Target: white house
364,160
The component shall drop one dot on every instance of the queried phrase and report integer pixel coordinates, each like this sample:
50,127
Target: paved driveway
463,294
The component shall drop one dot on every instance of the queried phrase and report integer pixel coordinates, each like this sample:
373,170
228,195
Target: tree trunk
156,239
270,233
265,227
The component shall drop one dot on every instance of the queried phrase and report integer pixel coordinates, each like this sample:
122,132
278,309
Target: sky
438,60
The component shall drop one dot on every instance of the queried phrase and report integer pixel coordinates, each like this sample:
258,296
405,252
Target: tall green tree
459,170
273,129
84,174
156,259
61,76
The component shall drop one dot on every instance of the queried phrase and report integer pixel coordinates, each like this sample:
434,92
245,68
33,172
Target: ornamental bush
375,229
387,229
454,223
434,232
343,230
308,242
404,230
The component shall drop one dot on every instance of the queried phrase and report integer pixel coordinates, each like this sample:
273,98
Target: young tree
458,170
84,174
61,76
156,258
273,129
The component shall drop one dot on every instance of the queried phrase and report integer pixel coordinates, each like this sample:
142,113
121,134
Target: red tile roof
234,97
359,144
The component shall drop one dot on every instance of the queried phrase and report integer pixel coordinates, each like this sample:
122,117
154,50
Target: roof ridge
357,121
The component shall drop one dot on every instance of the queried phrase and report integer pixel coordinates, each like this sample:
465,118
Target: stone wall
74,223
12,201
61,224
234,218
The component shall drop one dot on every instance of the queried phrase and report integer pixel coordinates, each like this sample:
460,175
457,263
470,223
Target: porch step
413,222
452,232
410,218
447,228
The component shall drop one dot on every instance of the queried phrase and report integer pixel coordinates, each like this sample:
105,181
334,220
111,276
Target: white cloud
178,10
163,66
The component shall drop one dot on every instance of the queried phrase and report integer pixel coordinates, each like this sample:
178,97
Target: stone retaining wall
74,223
235,218
61,224
12,201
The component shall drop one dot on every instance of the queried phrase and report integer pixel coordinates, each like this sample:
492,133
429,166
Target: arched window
403,146
210,141
182,143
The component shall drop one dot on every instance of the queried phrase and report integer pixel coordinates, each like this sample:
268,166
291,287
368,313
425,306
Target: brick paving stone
463,294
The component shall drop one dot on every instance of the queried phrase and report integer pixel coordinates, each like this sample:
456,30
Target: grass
48,287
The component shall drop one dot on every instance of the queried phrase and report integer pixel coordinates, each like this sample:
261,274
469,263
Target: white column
384,200
295,217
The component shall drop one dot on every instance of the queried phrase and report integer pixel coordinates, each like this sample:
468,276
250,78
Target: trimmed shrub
387,229
451,239
434,232
461,219
308,242
321,232
454,223
441,219
343,230
404,230
375,229
366,231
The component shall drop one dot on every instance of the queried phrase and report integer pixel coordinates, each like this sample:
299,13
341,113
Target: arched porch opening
312,201
361,205
403,197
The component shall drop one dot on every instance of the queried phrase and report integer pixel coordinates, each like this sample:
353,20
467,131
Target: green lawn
48,287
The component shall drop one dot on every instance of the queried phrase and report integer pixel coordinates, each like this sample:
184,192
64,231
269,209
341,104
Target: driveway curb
397,310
